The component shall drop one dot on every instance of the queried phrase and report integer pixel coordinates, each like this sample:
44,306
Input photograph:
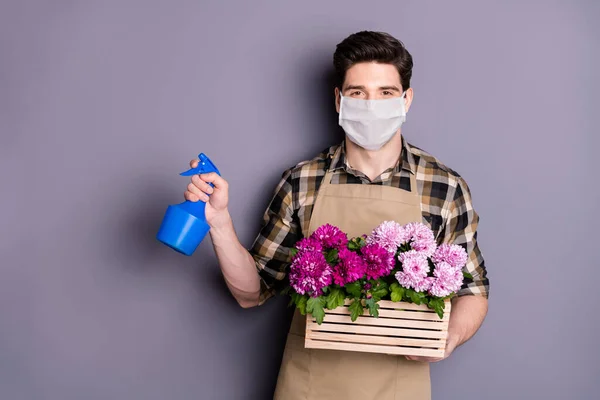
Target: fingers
195,193
190,196
202,185
194,163
215,179
424,359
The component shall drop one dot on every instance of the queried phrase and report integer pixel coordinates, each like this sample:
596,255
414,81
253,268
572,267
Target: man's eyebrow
361,87
354,87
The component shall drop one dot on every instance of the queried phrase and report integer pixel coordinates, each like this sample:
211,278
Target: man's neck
374,163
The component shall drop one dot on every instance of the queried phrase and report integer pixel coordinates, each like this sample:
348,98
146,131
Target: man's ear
337,99
409,98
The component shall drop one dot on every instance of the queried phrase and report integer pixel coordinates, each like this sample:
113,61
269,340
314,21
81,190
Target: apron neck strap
413,182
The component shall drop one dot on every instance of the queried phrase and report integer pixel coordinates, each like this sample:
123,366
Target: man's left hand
451,344
468,313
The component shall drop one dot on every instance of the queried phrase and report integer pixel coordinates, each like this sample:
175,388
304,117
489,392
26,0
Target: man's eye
357,93
387,93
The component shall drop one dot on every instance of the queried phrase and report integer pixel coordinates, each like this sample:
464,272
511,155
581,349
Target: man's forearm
467,315
237,265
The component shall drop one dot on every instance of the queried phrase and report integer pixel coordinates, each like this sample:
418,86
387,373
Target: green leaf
294,252
379,293
397,292
438,305
414,296
300,302
354,289
467,275
335,298
301,305
373,307
331,256
439,309
361,241
315,305
356,310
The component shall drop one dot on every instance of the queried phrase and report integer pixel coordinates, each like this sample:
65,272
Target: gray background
103,103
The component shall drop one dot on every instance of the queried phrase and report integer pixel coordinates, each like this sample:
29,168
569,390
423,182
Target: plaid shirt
445,205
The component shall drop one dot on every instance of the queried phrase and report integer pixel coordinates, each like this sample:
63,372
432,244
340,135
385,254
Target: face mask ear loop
341,105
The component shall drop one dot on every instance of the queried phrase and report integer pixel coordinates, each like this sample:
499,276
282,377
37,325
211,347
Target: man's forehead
372,75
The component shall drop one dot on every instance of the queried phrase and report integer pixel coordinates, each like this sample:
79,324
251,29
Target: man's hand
216,198
451,344
467,315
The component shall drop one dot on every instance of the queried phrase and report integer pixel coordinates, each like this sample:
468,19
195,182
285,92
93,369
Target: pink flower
310,273
389,235
330,236
440,288
423,285
421,237
350,268
447,280
309,244
409,282
404,279
414,264
444,270
380,262
452,254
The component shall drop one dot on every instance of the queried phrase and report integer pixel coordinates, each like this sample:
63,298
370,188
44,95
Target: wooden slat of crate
398,314
402,328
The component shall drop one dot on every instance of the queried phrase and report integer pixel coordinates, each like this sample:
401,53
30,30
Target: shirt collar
339,161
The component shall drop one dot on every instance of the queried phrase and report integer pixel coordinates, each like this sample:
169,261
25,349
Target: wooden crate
402,328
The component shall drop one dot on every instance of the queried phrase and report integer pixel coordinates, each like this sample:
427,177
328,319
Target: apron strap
413,183
329,172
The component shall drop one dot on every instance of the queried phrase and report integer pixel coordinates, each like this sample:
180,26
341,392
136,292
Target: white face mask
371,123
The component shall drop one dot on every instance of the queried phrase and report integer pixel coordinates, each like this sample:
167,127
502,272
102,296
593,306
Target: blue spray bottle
184,225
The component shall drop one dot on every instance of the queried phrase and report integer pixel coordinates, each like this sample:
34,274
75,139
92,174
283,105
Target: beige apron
315,374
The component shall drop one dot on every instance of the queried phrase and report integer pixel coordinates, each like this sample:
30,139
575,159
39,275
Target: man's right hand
216,198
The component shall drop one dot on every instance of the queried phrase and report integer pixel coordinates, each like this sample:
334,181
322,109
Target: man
344,185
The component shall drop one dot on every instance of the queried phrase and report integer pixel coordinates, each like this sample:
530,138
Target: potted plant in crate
386,292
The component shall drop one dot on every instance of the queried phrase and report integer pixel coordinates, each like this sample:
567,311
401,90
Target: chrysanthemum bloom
453,254
350,268
331,237
310,273
380,262
389,235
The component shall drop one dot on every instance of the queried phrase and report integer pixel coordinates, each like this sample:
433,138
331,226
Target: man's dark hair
367,46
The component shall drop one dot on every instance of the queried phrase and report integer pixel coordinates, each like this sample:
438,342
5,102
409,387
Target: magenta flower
414,264
350,267
310,273
330,236
309,244
452,254
380,262
421,237
389,235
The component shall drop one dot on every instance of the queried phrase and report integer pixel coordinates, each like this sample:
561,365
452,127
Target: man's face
372,81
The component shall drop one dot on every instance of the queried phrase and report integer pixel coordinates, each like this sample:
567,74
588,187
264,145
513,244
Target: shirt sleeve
461,229
278,234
